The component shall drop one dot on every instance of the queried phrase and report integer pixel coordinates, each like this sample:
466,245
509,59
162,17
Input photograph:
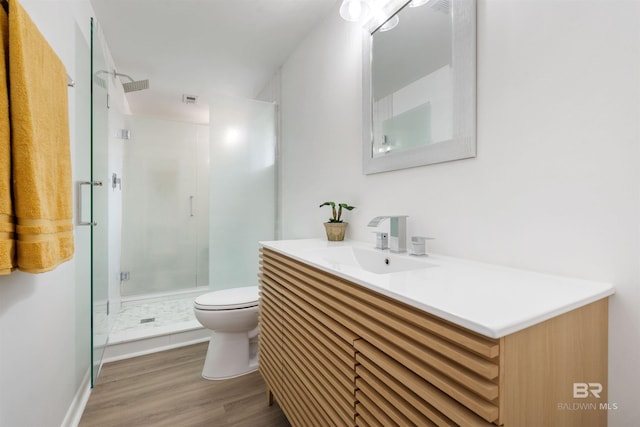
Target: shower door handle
191,206
80,202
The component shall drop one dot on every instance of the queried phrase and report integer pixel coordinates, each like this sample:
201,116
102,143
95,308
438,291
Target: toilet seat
228,299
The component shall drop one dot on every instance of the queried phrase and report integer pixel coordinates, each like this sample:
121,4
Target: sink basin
371,260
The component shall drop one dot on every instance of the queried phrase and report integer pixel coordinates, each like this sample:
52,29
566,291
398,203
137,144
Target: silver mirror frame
463,143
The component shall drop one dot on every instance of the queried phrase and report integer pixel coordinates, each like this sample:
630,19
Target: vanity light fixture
355,10
416,3
373,14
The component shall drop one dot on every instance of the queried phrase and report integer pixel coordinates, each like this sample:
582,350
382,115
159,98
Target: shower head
135,85
132,85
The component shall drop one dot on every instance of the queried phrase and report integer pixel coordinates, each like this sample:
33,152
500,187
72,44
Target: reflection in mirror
409,89
419,86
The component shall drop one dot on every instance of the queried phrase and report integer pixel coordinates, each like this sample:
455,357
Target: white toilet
232,316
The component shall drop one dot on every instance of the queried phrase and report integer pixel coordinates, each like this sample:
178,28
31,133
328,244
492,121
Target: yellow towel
6,207
41,158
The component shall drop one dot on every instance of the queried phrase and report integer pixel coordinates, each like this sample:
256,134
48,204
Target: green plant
337,213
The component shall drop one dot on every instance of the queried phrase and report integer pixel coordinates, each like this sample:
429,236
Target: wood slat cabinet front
335,353
313,353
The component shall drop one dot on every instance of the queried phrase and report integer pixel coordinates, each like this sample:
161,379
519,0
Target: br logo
584,390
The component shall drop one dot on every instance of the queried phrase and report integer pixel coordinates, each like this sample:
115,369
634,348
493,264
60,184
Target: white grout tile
170,315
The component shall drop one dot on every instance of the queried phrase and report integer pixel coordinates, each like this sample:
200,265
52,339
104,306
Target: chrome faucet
397,231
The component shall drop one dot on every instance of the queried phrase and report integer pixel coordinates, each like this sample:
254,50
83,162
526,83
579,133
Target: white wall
555,186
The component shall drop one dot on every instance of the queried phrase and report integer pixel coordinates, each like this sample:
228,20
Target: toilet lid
228,299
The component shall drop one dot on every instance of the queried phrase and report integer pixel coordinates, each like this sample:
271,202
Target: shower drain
148,320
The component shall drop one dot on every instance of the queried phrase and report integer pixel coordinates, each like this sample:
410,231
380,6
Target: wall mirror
419,70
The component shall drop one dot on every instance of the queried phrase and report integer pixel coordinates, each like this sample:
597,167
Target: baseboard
129,355
79,402
141,346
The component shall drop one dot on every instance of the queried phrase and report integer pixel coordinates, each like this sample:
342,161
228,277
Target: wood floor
166,389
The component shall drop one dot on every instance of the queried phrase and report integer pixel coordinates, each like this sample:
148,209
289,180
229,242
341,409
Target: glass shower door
98,203
165,207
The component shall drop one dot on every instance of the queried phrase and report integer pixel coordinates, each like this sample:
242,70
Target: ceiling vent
189,99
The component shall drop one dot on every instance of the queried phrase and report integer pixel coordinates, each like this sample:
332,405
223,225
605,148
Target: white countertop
492,300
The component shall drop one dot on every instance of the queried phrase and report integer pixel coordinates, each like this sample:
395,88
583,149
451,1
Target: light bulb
354,10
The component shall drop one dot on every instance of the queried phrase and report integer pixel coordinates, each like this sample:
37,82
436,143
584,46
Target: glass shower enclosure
243,188
197,199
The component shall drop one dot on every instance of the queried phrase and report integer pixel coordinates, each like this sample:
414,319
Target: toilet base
230,355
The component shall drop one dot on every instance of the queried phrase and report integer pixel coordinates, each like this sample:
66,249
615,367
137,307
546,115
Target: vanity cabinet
333,352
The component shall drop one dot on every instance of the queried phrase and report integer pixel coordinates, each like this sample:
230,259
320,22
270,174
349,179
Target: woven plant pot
335,230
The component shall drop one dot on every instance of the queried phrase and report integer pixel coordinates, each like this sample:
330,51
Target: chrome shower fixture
132,85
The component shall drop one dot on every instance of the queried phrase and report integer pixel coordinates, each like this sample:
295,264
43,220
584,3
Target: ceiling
202,47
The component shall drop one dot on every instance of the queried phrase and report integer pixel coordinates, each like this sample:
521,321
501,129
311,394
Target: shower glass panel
98,197
242,188
165,206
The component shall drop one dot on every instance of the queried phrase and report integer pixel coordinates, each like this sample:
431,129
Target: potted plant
335,227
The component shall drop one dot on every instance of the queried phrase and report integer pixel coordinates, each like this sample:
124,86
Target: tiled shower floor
147,318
